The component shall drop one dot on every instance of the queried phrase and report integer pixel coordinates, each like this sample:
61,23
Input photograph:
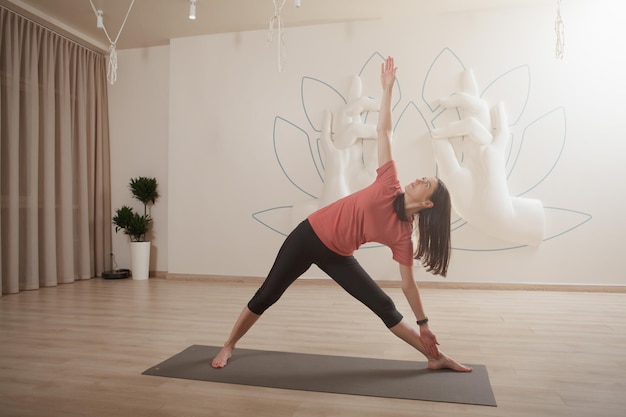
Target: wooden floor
79,349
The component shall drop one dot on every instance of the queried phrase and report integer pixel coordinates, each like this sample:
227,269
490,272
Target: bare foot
445,362
221,359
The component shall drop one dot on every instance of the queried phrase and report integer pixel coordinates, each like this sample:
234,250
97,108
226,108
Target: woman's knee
383,306
391,318
260,302
388,313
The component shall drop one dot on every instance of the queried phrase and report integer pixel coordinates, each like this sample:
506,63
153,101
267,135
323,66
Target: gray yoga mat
333,374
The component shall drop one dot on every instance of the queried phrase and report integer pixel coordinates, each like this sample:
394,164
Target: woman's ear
417,207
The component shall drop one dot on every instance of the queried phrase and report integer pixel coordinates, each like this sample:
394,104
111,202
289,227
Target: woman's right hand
429,340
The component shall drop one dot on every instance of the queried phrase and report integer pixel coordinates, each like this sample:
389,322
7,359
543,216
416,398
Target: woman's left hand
388,73
430,341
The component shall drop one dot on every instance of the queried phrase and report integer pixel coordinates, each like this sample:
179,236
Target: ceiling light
297,3
192,9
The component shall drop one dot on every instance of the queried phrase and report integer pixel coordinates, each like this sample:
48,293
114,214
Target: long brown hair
433,248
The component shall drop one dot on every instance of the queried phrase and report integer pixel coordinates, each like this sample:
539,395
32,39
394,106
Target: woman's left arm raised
384,128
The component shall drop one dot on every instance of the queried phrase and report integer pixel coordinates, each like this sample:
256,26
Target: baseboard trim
423,284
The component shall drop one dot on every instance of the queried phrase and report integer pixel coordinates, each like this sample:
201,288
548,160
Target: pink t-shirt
367,216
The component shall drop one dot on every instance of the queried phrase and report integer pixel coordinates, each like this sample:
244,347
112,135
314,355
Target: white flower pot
140,260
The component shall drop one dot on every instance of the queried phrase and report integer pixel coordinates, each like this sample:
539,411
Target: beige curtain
55,217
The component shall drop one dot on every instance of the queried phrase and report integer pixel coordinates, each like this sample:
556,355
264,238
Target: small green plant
134,224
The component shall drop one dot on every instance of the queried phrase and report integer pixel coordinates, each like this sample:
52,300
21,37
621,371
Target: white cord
113,263
559,28
277,20
112,67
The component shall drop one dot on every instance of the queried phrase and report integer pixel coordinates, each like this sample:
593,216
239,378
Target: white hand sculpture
352,133
350,125
478,187
346,167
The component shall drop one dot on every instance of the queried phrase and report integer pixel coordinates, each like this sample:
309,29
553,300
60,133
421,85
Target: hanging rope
276,21
112,66
560,32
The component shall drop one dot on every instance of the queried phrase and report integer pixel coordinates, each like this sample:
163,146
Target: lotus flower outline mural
335,154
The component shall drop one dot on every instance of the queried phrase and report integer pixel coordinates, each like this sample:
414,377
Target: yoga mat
333,374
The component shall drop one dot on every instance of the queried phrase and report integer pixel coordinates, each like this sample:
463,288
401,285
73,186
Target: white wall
139,131
225,94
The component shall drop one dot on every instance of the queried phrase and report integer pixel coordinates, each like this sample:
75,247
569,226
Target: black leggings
301,249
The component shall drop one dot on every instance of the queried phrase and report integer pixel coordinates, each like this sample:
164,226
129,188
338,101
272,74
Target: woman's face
421,189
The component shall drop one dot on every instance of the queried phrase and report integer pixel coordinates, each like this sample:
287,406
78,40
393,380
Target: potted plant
136,225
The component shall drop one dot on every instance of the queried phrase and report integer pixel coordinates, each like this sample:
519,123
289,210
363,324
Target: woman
379,213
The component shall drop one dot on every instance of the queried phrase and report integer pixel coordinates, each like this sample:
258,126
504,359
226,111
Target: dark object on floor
116,274
332,374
